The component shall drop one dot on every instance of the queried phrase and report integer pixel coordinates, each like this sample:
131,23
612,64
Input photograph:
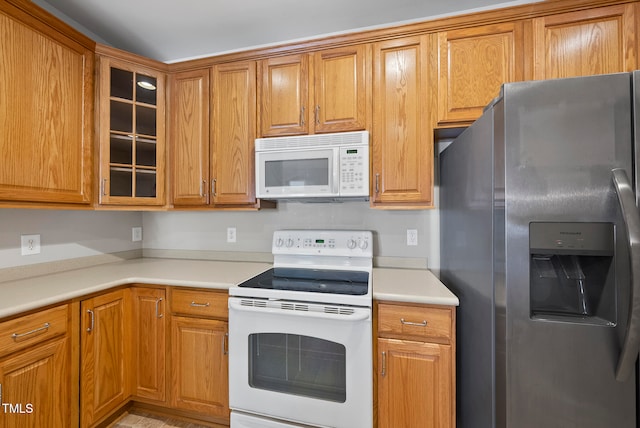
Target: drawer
415,322
201,303
29,330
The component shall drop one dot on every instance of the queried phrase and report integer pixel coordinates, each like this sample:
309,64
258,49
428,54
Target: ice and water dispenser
572,272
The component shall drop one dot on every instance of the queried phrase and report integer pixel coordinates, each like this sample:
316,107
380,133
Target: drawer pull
200,305
417,324
16,336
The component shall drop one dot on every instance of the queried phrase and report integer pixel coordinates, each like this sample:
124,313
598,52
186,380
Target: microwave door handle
631,345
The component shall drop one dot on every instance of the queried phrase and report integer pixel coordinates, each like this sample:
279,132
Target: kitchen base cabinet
36,375
105,360
150,328
199,352
199,375
416,366
414,389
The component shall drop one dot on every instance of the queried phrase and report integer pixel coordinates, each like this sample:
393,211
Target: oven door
297,173
301,362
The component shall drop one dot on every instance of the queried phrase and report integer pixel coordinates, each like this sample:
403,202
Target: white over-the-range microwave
320,166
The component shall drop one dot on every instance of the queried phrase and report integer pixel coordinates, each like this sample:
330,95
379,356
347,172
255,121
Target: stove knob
279,242
363,245
289,243
351,244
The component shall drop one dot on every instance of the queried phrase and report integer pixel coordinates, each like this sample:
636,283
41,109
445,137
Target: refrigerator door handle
631,345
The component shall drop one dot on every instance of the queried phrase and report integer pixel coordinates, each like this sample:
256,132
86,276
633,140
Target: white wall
202,230
73,234
65,234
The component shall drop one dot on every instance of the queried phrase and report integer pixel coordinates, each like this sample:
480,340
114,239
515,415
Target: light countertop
405,285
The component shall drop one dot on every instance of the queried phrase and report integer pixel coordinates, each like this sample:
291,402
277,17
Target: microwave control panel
354,170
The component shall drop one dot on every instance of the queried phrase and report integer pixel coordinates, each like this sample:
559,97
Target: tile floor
139,419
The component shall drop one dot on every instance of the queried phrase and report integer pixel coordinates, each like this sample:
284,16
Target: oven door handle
351,314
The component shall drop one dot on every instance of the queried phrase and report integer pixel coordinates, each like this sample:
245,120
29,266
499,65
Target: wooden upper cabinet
402,141
473,63
324,91
46,111
341,89
233,132
593,41
189,137
284,91
131,133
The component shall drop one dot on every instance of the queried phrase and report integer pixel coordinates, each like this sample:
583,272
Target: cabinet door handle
377,182
384,364
213,186
103,187
417,324
302,116
199,305
317,114
16,336
225,344
203,184
93,320
158,314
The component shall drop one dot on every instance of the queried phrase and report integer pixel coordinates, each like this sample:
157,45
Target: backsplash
76,234
207,231
65,234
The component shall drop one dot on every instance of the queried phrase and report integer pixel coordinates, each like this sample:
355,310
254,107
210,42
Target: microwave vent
310,141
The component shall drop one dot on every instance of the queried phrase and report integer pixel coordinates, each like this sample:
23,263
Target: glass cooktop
354,283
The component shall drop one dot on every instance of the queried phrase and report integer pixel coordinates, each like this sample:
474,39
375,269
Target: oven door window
298,365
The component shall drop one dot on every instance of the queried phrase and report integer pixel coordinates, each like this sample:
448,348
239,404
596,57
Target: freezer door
561,140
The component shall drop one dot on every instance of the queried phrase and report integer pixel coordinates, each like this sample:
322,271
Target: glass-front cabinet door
131,132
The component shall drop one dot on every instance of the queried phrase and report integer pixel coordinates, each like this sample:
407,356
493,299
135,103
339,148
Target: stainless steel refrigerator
539,239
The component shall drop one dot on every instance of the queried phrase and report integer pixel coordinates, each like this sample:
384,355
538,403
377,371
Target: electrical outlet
30,244
231,234
136,234
412,237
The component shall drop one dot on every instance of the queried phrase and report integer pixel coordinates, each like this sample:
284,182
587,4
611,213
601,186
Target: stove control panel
351,243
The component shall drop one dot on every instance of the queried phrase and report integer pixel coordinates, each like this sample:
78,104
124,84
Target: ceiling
169,30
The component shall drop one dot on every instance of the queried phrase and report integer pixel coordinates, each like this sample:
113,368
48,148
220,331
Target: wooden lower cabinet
199,360
199,353
415,366
414,386
150,329
37,379
105,355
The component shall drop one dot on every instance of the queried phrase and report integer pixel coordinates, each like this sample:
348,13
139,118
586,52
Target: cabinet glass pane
146,89
145,183
145,152
145,120
121,149
121,181
121,116
121,83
